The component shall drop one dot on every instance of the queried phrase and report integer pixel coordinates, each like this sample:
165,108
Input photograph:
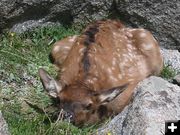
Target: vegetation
25,106
168,73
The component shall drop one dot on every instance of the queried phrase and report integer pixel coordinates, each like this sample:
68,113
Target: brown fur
107,55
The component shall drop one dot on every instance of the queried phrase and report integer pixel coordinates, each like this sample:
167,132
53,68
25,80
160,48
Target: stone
161,17
22,15
171,58
3,126
155,101
176,79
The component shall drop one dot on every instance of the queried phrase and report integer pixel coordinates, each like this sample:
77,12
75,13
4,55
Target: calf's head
84,105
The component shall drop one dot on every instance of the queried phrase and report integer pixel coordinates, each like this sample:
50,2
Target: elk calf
100,69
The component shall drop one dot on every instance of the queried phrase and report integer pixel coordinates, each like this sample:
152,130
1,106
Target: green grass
168,73
20,58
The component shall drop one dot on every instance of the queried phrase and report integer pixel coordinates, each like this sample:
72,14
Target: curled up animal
100,68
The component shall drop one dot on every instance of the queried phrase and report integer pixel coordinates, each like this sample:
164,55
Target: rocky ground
160,17
171,58
155,101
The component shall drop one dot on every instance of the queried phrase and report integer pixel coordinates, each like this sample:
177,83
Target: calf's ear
108,95
52,86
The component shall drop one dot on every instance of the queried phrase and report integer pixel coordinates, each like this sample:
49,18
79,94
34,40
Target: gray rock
3,126
19,14
162,17
155,101
176,79
171,58
31,24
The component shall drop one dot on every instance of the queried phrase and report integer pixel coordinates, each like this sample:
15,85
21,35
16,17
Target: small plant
167,72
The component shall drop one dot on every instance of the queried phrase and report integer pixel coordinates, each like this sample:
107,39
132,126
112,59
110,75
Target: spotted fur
100,69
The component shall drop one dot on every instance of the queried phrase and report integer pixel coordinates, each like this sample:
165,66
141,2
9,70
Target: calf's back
101,67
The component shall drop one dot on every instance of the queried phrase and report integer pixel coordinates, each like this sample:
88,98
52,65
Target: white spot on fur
113,78
120,40
143,34
125,55
78,43
113,68
56,48
67,47
129,34
63,69
114,61
131,55
129,46
114,34
129,50
131,59
121,67
95,79
72,39
131,30
109,70
147,46
126,37
81,51
90,81
120,76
